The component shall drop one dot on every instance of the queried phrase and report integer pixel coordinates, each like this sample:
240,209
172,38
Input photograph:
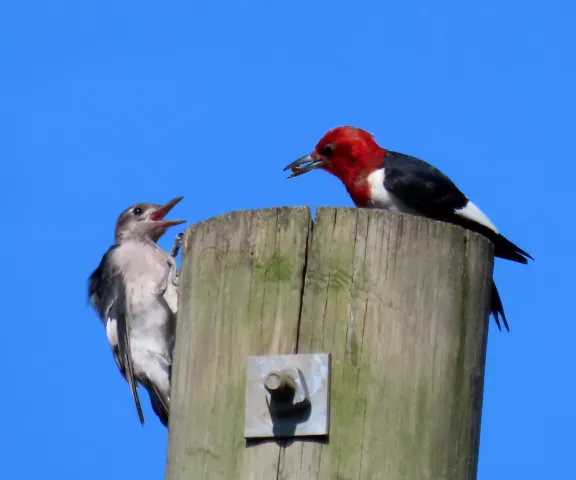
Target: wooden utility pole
399,302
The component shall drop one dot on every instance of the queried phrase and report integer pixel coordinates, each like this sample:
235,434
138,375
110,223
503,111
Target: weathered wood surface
400,302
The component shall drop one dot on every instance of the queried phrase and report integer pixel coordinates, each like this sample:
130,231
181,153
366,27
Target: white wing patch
112,332
472,212
382,198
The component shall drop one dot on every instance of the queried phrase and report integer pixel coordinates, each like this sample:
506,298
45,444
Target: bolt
280,385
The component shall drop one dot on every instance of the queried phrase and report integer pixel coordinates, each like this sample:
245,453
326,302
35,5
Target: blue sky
103,104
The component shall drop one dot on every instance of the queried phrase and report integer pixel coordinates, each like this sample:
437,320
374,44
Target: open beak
304,165
157,216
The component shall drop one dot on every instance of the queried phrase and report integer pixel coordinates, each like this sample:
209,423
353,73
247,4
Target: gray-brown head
145,221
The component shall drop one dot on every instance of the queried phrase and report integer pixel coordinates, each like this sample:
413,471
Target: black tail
127,370
497,309
160,404
504,248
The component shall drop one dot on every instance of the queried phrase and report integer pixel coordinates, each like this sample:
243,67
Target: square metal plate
316,371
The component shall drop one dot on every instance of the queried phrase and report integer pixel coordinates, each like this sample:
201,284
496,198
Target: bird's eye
137,211
327,150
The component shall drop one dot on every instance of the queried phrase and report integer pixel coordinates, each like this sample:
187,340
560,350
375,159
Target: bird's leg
173,271
170,275
163,285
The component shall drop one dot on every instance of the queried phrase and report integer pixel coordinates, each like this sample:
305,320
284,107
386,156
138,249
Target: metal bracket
287,395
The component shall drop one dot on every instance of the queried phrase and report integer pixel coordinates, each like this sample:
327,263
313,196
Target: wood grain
400,302
241,286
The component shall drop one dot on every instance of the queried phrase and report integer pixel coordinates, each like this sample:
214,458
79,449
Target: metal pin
288,392
280,385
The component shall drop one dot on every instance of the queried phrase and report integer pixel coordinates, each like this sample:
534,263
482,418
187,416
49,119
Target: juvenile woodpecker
134,290
379,178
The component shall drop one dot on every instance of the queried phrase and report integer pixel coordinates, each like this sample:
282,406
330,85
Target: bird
134,291
379,178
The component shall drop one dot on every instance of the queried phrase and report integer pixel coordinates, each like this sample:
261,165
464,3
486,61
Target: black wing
160,404
106,292
422,186
426,189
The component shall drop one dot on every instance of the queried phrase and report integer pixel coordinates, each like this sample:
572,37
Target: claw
177,244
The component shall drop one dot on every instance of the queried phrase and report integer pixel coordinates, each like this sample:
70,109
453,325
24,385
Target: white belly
151,318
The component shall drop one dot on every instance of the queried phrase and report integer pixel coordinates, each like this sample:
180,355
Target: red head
347,152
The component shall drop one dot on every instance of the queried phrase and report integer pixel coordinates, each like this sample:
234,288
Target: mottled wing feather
106,293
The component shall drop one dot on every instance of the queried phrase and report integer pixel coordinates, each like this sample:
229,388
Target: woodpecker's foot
170,275
163,285
177,244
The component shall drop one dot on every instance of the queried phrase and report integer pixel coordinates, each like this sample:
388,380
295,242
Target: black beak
304,165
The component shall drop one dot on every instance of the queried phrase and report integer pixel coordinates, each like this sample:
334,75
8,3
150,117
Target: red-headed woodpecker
134,290
379,178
